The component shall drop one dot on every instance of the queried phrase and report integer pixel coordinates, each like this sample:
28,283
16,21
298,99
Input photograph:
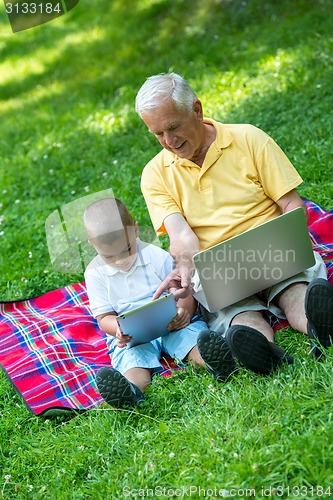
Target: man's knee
246,317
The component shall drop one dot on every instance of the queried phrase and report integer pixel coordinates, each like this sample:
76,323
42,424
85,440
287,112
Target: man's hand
181,320
122,340
183,245
177,282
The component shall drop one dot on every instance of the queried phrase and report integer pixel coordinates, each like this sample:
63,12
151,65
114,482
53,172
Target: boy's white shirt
112,290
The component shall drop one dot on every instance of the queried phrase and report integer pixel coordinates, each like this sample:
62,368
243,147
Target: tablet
148,322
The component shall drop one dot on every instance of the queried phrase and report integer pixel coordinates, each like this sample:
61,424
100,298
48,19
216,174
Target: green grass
67,129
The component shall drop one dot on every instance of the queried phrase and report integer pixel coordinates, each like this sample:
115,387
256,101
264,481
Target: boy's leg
123,385
116,389
203,347
216,354
223,362
182,344
195,357
141,377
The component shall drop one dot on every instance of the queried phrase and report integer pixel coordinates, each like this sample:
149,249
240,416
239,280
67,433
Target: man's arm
183,245
183,241
290,201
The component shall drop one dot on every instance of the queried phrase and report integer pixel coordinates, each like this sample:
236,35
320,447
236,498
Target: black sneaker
116,390
319,312
253,349
216,354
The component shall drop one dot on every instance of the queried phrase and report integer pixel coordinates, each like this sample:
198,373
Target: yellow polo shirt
243,175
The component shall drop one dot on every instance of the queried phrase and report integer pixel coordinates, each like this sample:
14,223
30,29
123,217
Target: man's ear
197,108
136,225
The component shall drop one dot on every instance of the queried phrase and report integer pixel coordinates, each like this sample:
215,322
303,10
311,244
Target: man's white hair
158,88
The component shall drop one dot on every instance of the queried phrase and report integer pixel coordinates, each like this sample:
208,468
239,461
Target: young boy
124,275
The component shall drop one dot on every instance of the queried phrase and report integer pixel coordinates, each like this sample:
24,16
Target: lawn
68,129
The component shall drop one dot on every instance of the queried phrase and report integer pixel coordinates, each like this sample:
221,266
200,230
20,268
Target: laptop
150,321
254,260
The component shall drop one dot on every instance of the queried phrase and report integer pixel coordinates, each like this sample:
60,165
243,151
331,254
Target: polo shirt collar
223,137
142,259
223,140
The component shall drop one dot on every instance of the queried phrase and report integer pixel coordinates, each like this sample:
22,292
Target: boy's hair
106,220
162,87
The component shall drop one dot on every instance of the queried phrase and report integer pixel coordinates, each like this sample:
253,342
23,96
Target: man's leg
307,301
251,340
292,302
309,309
254,319
242,333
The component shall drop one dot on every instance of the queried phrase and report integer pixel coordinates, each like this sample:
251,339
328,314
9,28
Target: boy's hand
181,320
122,340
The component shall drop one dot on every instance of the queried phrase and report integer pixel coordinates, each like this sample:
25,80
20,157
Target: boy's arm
108,323
98,294
186,309
189,304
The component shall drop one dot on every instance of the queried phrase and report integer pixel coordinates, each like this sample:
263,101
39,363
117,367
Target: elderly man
212,181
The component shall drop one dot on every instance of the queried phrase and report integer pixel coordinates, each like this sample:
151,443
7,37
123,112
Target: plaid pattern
51,347
321,232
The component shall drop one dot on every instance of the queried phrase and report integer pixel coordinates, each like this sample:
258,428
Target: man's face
177,129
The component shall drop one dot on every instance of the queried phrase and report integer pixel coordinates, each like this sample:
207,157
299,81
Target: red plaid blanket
51,347
321,232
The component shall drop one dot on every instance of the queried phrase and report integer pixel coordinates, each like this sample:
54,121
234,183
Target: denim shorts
220,321
176,344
